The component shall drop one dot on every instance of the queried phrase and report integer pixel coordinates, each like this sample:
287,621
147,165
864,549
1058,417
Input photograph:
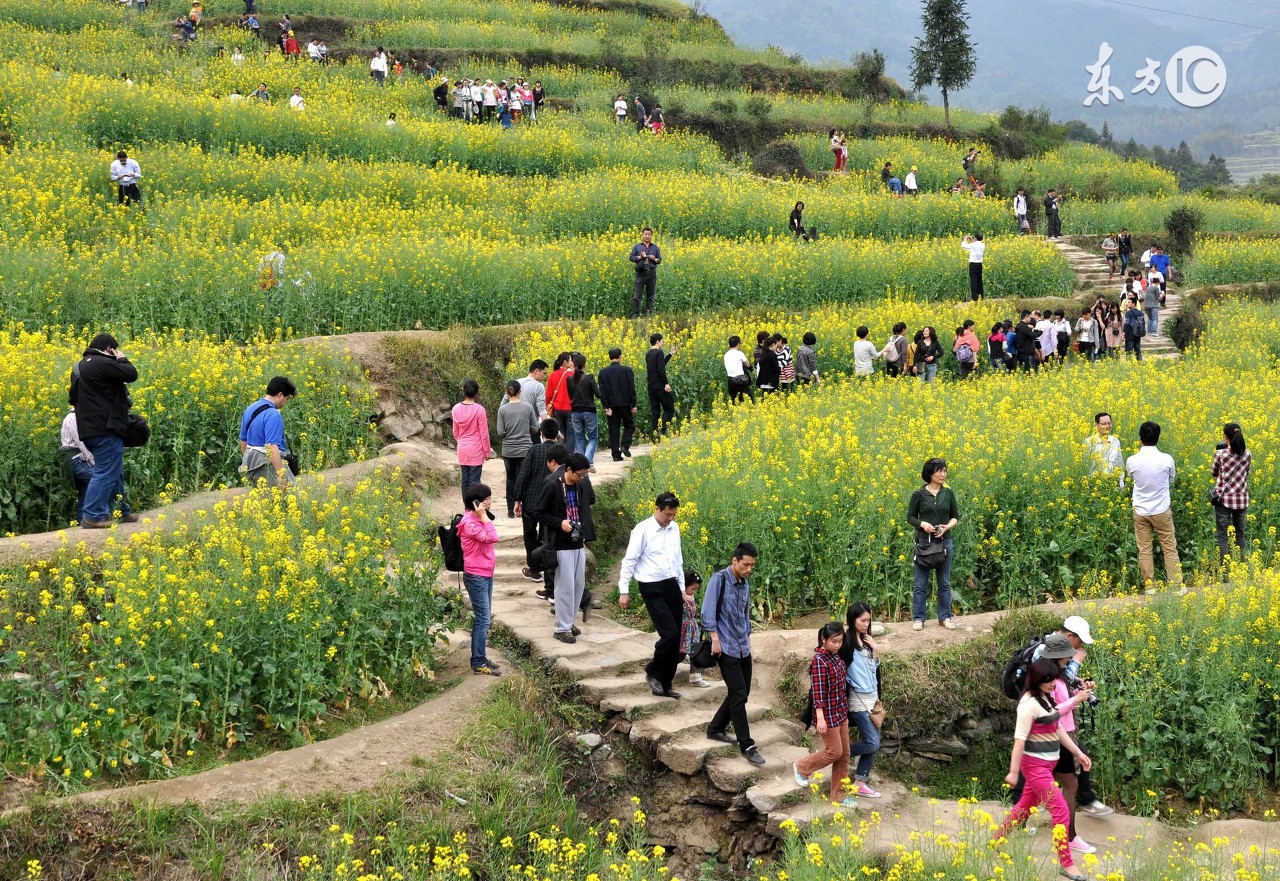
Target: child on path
1038,737
828,681
690,632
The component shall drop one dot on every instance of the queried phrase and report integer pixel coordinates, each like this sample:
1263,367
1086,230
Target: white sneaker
699,682
801,780
917,625
1081,845
1096,809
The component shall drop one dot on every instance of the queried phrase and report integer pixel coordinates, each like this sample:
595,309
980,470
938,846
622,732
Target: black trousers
666,609
646,285
513,471
661,402
622,430
739,388
127,194
1055,225
1225,517
736,673
976,290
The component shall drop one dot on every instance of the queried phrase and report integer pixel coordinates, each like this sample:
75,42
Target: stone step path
1093,274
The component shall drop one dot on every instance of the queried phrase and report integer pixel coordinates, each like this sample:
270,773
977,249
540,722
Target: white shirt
1104,455
1061,325
735,363
1048,336
1019,205
126,172
391,123
490,93
297,102
1153,474
910,182
71,439
653,554
620,107
976,250
378,64
313,50
864,356
237,58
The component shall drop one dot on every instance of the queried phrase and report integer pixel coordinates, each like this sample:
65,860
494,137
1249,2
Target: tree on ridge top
944,55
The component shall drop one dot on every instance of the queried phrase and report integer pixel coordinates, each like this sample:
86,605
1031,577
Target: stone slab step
598,688
639,704
691,721
689,753
733,773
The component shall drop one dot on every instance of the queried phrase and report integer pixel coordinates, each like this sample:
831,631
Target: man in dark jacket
565,512
541,459
102,405
1025,342
661,400
618,395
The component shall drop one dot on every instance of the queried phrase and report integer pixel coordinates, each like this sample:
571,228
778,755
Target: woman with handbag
866,712
934,513
1232,463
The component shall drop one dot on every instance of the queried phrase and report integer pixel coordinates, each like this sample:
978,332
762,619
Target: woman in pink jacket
479,535
471,431
966,349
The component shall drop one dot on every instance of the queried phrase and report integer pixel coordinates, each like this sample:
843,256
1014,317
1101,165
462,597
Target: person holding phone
479,536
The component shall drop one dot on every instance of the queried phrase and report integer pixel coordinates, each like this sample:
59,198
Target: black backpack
451,544
1014,678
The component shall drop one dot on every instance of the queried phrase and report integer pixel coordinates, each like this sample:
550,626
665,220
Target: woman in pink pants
1037,739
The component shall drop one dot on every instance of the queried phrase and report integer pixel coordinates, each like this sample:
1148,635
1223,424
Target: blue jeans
81,474
867,747
929,371
586,434
1153,319
921,585
480,589
471,475
107,482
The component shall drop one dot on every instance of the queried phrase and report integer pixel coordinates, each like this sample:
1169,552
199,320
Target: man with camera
646,256
124,174
264,452
565,512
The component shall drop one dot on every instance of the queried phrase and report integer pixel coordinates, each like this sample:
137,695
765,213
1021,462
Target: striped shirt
1038,728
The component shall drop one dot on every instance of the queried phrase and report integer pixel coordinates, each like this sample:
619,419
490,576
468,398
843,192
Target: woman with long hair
1038,737
928,353
1232,463
827,675
862,658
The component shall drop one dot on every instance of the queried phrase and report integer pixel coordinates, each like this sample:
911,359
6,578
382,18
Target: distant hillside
1259,155
1035,53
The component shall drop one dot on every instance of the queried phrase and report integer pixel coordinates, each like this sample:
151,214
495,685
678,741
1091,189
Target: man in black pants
661,400
618,395
654,558
1051,202
726,619
540,461
646,256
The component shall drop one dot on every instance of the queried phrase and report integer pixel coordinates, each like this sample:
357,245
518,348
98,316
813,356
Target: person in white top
313,50
124,174
237,56
910,185
1020,210
378,66
620,110
489,95
297,102
391,119
977,250
1048,337
736,366
1087,334
1153,473
78,458
864,354
654,558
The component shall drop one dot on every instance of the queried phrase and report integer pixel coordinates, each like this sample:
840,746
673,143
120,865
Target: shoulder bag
702,658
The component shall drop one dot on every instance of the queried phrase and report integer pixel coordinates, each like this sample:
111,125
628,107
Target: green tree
1105,138
944,55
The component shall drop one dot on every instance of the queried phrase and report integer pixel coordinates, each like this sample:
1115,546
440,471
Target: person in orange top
558,403
965,336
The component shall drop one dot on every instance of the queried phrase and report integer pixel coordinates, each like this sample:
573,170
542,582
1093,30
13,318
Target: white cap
1080,627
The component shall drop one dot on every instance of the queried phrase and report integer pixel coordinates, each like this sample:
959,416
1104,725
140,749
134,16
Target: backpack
965,353
451,544
1014,677
1135,326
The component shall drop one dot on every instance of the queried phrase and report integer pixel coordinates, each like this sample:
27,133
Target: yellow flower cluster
248,619
1234,261
192,390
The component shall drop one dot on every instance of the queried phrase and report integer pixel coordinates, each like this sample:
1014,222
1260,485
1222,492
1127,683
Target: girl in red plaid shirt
1232,463
827,675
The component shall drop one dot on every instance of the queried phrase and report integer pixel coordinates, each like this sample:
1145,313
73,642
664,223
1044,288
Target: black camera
1078,684
575,532
291,460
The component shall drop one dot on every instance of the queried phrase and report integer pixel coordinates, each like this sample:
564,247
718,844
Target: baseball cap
1080,627
666,500
913,168
1056,647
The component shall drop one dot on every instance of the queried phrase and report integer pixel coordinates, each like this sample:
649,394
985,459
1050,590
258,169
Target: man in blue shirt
646,256
727,623
263,448
1160,261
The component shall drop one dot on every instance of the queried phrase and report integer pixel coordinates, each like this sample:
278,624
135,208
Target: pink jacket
478,535
471,431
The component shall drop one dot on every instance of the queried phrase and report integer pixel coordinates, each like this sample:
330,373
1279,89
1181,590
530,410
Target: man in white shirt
864,354
1047,335
1153,473
1020,210
620,110
655,560
974,245
910,185
124,174
297,102
735,368
313,50
78,458
1102,449
378,66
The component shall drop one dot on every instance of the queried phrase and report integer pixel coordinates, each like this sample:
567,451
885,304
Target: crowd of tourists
507,101
649,119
